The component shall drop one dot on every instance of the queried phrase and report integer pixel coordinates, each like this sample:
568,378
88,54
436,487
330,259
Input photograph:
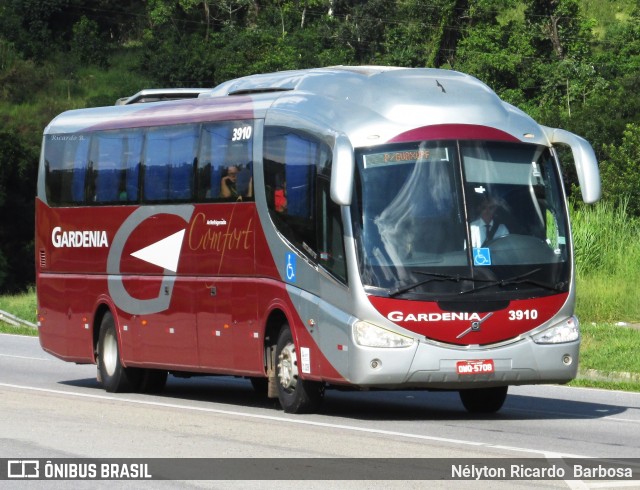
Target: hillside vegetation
569,63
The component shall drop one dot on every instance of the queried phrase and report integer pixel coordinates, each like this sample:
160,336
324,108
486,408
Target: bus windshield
441,219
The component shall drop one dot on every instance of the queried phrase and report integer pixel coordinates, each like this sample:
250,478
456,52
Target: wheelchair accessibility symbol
481,256
291,267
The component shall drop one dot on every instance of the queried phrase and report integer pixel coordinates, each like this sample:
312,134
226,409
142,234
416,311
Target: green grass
610,348
97,87
606,298
605,385
6,328
607,247
21,305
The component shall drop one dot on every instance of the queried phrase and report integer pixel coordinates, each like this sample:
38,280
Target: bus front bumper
433,366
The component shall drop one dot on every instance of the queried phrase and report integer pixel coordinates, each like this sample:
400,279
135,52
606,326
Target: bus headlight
566,331
368,335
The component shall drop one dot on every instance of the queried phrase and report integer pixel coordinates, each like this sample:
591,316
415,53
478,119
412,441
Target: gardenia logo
78,239
398,316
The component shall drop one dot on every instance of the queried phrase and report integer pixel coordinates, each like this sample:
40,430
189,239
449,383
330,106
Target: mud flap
272,386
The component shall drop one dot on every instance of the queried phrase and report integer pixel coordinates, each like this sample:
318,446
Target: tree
363,27
180,60
87,46
423,33
19,79
17,175
496,48
30,25
564,70
620,169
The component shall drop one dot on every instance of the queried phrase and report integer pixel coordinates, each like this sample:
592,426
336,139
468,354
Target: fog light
567,360
376,363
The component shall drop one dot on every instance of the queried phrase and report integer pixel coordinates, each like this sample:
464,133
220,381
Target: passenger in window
277,193
229,186
228,189
488,225
280,199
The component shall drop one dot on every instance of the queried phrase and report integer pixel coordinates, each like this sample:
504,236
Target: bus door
246,337
228,335
215,345
226,297
169,337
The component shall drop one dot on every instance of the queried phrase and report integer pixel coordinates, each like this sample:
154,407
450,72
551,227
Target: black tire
152,381
296,395
114,376
484,400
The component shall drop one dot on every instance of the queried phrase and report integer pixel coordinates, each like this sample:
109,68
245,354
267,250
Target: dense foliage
569,63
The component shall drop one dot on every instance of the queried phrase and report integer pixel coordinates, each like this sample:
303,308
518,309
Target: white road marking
26,357
297,421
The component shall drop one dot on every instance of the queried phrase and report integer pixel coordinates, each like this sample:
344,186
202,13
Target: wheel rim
110,354
288,367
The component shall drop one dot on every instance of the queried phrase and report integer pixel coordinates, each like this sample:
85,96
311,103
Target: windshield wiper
519,279
435,277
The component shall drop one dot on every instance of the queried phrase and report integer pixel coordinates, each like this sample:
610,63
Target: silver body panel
370,106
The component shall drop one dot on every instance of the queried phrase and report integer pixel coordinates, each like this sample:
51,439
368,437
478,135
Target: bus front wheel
484,400
114,376
296,395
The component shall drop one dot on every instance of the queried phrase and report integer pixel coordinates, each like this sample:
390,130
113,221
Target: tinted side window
330,233
290,170
297,167
115,164
151,165
66,161
170,155
225,170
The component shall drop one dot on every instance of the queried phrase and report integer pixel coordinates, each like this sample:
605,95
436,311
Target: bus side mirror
342,171
585,161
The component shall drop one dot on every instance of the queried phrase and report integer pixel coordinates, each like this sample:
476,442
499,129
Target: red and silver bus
353,227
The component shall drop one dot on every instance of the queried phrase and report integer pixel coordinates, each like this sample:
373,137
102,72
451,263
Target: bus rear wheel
114,376
484,400
296,395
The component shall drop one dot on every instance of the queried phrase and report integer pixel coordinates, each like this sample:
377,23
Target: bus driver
487,227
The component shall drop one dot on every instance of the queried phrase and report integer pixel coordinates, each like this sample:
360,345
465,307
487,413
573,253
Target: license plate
484,366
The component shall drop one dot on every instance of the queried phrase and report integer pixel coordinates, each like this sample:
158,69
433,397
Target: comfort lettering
203,237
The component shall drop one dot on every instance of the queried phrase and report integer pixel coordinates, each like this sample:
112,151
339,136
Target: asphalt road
52,409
